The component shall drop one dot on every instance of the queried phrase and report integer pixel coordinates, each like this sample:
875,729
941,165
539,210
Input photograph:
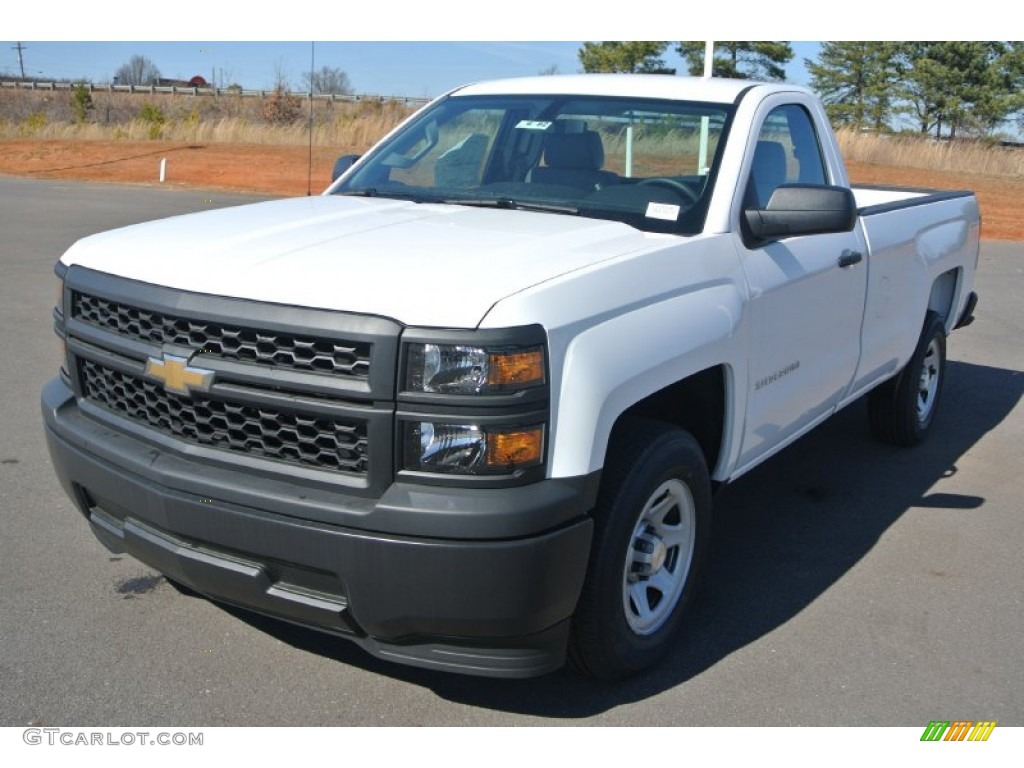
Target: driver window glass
787,152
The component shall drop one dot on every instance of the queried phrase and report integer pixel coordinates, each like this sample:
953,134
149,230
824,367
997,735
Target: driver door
805,308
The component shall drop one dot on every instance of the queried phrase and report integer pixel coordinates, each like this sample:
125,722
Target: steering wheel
676,186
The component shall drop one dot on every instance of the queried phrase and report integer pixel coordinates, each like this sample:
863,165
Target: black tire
651,533
901,410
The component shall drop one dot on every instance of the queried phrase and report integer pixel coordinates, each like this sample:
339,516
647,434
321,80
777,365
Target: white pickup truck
467,408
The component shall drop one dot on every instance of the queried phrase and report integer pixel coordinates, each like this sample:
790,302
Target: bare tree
138,70
282,79
224,77
327,80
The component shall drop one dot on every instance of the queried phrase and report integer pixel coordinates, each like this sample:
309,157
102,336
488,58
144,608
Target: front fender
613,365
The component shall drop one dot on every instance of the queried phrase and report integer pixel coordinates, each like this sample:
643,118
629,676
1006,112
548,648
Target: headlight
473,403
472,449
457,369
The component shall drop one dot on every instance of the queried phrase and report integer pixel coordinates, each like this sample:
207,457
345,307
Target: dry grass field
232,145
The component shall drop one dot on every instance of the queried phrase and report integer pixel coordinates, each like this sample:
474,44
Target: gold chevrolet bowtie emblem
178,376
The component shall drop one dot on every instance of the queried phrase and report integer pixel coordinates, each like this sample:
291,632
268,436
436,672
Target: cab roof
715,89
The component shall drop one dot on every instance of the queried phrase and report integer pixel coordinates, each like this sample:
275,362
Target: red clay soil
999,196
283,170
260,168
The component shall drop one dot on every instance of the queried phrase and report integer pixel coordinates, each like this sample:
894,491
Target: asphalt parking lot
851,583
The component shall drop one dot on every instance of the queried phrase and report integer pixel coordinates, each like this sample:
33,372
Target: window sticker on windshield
533,125
662,211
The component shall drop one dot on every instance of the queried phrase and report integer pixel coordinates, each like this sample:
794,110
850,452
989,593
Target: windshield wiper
508,203
374,192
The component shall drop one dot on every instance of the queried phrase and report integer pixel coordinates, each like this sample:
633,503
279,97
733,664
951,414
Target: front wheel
902,409
651,532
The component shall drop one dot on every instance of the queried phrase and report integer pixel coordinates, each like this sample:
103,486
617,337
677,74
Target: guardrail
188,90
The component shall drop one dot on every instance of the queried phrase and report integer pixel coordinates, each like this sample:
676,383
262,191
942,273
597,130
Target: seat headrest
769,170
578,151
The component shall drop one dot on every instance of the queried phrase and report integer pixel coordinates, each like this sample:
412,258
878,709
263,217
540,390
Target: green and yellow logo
958,730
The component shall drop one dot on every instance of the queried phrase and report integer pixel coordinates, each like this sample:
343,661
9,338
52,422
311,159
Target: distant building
196,82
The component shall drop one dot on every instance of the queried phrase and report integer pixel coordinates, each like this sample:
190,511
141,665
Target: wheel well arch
696,404
943,294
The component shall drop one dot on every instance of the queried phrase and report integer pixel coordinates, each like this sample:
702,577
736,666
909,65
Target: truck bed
878,199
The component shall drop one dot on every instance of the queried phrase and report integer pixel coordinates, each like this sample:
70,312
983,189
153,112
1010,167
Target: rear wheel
902,409
651,529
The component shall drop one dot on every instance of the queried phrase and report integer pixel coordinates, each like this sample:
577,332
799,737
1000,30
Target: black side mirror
342,164
803,209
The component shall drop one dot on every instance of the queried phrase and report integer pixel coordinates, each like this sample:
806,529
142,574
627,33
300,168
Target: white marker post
702,159
163,170
629,150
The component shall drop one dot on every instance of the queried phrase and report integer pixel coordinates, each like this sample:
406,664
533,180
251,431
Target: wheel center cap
658,556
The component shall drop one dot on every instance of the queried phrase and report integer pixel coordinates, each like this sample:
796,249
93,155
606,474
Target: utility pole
19,48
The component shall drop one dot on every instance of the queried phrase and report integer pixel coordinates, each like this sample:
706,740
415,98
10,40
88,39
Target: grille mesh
231,342
309,439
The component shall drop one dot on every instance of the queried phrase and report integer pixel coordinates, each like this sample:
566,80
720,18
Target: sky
412,48
414,69
417,49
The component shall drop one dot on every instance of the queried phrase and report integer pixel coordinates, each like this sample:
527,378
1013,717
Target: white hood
421,264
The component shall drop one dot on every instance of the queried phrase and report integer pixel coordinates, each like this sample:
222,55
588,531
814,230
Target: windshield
648,163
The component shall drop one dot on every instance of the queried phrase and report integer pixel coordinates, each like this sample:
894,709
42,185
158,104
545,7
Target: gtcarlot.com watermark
72,737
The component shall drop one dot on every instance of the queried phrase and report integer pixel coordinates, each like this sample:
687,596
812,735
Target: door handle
848,258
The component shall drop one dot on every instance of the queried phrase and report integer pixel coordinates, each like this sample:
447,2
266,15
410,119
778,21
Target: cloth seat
767,173
574,160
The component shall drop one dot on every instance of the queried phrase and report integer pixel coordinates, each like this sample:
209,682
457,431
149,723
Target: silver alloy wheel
659,557
928,384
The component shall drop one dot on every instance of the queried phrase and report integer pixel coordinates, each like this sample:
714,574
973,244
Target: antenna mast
312,74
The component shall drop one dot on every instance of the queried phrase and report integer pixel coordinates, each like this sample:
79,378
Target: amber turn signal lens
516,369
514,450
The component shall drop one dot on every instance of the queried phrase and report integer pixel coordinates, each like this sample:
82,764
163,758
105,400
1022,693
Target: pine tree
858,81
633,56
764,60
963,86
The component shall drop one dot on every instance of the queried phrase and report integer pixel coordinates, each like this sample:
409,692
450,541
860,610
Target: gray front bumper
494,606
